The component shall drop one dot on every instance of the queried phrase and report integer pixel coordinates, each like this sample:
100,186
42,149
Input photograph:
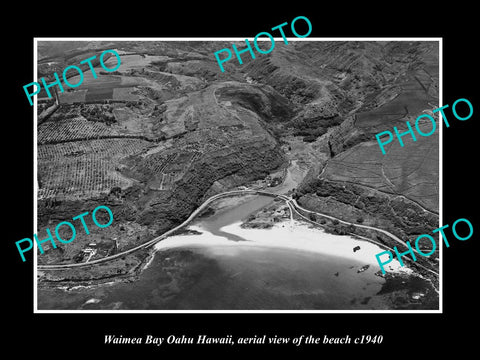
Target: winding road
155,240
394,194
361,226
291,203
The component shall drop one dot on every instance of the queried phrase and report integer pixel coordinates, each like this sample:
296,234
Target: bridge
161,237
291,203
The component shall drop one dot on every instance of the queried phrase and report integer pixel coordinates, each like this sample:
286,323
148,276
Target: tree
313,217
116,190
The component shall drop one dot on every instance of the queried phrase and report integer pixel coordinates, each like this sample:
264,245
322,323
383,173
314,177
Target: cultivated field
164,168
133,61
116,87
412,170
72,129
124,93
409,102
411,92
98,90
82,169
73,96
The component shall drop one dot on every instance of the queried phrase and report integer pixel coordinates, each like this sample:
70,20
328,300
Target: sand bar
297,236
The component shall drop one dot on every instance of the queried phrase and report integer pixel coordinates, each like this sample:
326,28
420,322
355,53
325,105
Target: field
405,98
114,87
133,61
100,89
73,96
72,129
124,93
412,170
164,168
407,104
210,132
90,89
81,169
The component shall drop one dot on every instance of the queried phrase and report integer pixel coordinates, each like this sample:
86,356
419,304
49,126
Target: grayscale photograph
168,178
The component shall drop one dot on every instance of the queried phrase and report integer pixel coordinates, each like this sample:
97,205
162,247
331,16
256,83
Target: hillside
169,129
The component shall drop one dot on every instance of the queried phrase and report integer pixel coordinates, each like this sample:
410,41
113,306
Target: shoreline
296,236
398,289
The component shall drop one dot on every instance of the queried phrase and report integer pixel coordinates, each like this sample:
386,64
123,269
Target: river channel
224,266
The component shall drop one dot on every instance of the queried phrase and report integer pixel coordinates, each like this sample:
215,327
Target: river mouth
230,278
206,272
220,264
216,223
268,271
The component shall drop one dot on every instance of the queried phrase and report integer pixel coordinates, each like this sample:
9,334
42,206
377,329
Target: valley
167,131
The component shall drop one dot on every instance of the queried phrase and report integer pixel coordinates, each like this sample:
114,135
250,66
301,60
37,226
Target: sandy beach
290,266
296,236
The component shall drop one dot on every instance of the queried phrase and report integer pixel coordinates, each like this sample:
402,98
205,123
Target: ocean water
267,270
290,267
231,278
266,278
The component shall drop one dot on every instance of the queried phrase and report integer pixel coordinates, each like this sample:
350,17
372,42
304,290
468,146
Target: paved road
362,226
153,241
291,203
395,195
